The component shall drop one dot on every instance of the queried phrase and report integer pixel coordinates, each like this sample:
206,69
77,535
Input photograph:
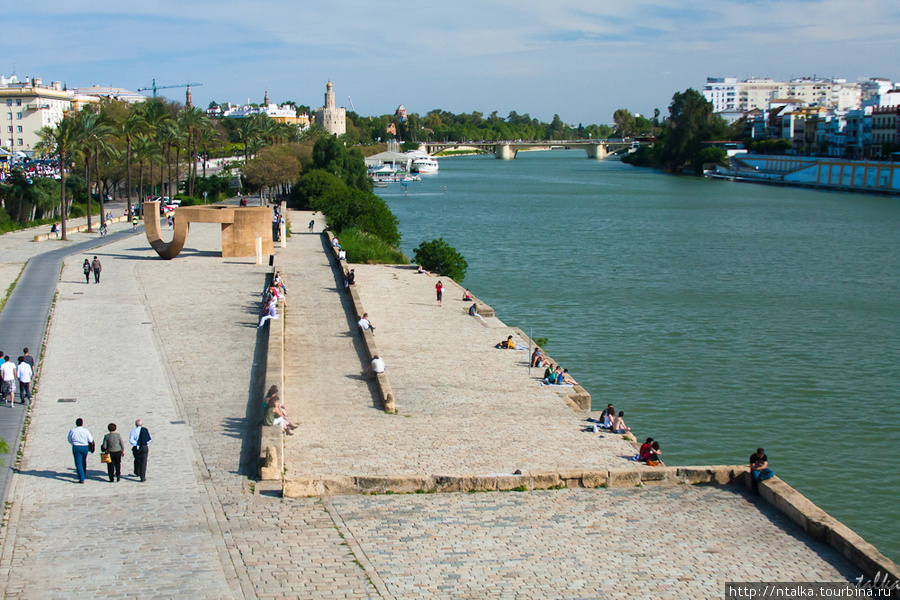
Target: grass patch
365,248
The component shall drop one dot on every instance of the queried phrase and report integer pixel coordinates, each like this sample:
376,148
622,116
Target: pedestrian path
175,343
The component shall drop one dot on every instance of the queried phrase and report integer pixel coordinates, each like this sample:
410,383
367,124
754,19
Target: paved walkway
175,343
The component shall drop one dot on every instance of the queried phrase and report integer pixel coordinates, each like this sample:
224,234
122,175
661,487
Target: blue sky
579,59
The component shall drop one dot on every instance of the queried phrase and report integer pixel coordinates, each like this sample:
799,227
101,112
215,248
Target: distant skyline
579,59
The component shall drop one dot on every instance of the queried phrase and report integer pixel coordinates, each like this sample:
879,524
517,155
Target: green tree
330,154
274,165
442,258
312,185
709,155
60,141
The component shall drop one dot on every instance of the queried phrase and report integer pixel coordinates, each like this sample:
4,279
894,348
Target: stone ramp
465,408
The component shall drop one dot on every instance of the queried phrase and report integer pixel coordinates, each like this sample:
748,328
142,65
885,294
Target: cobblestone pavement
672,542
175,343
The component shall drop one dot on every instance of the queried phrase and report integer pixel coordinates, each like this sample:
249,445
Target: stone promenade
175,343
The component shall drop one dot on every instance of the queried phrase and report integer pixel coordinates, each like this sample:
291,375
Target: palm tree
61,141
155,113
192,121
92,134
169,135
146,150
134,124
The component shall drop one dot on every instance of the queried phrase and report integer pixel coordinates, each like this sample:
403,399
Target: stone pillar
596,151
424,148
504,152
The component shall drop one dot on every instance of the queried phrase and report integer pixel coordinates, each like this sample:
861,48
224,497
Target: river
719,316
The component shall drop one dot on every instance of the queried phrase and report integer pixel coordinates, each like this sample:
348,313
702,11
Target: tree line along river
720,316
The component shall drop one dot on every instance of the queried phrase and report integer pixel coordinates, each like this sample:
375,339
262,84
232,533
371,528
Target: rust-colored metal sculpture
241,226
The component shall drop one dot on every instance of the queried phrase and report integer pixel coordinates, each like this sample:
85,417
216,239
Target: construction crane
353,108
155,87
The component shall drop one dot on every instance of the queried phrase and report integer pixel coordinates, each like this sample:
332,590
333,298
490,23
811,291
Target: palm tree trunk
128,174
177,164
140,184
99,185
169,172
62,192
87,183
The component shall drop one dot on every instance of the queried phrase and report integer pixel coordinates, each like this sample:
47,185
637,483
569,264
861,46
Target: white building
27,107
728,94
333,119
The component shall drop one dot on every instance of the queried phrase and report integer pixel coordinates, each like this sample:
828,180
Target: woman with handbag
111,453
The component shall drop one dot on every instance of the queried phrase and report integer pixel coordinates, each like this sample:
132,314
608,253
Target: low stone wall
824,528
271,437
44,237
614,478
381,379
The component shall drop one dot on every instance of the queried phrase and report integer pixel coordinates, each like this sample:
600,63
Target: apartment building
26,107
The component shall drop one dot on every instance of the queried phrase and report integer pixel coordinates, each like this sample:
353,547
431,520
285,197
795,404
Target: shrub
442,258
364,247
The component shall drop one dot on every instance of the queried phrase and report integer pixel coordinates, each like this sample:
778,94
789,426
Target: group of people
14,375
612,422
277,222
111,450
274,412
272,295
556,375
94,267
649,453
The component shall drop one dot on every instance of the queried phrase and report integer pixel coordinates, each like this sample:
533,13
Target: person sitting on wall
652,456
375,368
507,344
467,297
759,468
645,448
537,358
618,425
278,282
565,379
422,271
364,323
351,277
473,312
335,243
549,374
342,254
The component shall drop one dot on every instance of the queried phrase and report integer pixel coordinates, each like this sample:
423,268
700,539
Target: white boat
425,164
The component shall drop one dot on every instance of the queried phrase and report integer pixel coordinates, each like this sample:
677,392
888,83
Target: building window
21,142
18,129
9,101
18,102
18,115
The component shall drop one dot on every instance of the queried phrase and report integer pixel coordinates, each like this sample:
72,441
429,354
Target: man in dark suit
140,440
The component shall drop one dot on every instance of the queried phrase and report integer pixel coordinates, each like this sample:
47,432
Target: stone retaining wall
44,237
824,528
381,379
271,437
297,487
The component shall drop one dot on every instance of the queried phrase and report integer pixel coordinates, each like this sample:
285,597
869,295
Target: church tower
266,99
187,98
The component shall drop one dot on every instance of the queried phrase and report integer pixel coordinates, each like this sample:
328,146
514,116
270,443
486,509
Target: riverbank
720,317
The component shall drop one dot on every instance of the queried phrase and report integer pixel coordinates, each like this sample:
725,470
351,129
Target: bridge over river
508,150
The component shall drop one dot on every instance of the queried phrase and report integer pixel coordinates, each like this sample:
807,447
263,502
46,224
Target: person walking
134,223
96,267
87,271
312,224
112,444
439,289
139,439
82,442
24,373
8,375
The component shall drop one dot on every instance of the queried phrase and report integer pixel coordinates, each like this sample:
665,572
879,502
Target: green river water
719,316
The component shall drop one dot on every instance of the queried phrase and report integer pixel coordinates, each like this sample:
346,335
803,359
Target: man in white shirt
364,323
24,374
375,368
139,439
8,374
82,442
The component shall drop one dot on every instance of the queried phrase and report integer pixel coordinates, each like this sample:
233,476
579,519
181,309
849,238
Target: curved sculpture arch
240,228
